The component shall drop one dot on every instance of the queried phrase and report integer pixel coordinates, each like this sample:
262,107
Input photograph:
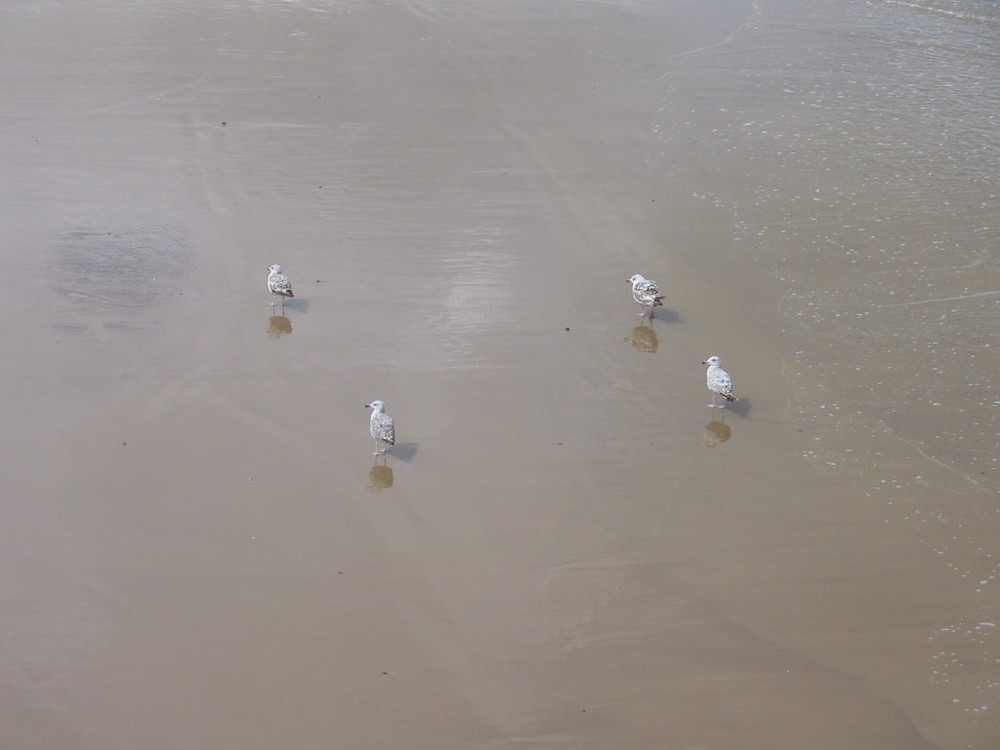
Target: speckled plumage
383,428
646,293
718,381
278,284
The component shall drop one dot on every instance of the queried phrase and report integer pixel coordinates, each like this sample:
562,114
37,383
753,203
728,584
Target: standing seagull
646,293
719,382
278,285
383,429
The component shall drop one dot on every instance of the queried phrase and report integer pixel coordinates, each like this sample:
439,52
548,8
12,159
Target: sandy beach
565,547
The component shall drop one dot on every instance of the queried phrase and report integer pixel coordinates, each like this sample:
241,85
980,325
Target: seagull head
712,361
636,279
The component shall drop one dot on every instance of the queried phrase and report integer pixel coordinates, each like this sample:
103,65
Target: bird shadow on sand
296,304
666,315
403,451
741,408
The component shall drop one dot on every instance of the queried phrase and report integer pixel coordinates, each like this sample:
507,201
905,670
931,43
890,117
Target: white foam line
944,11
754,13
943,299
943,464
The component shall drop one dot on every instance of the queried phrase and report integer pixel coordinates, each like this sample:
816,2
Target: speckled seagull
278,285
718,381
382,427
646,293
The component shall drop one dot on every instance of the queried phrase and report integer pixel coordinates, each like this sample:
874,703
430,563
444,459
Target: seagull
646,293
719,382
278,285
383,429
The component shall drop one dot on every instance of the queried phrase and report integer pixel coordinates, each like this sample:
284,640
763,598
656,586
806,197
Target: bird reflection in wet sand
644,338
278,325
381,477
717,432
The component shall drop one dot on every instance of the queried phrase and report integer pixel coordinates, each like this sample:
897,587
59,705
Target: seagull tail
658,301
730,397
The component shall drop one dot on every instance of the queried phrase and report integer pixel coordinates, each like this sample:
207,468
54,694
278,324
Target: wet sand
565,547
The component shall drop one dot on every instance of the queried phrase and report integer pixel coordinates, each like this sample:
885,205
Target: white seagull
278,285
382,427
718,381
646,293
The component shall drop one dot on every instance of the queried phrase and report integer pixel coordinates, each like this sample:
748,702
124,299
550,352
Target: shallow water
865,178
566,547
859,152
